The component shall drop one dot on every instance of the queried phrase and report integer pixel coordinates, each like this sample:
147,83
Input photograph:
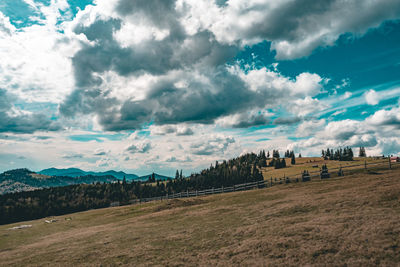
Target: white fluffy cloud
379,133
35,61
308,128
315,24
372,97
384,117
308,105
170,64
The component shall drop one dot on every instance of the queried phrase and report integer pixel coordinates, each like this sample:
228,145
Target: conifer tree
361,152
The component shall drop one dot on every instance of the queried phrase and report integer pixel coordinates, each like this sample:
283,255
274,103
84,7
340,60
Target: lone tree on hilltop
293,160
361,152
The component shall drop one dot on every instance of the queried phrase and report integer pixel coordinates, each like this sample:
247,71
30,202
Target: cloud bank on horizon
163,84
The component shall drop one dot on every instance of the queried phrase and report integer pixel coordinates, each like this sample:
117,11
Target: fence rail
315,175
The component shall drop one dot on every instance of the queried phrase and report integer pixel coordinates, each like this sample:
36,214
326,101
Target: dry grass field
353,221
313,164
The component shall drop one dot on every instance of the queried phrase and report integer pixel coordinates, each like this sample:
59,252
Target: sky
160,85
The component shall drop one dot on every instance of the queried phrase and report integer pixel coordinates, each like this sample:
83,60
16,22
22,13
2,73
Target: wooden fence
315,175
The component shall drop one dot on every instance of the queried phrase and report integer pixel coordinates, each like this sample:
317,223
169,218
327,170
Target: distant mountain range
75,172
25,180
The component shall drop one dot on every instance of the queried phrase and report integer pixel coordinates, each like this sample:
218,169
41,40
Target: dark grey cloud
177,51
174,159
87,101
199,101
296,28
371,141
73,156
287,120
245,121
22,123
158,12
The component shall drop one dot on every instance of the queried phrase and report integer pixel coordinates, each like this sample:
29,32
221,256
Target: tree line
345,154
55,201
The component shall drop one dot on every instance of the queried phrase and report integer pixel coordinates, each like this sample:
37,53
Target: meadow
351,220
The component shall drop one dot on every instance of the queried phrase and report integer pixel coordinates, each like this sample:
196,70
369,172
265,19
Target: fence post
212,191
365,164
234,189
222,189
197,193
390,163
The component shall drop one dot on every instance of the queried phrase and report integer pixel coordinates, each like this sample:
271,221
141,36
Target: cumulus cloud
184,130
371,97
185,50
306,106
316,24
245,120
170,129
308,128
379,133
140,147
179,63
214,145
14,120
384,117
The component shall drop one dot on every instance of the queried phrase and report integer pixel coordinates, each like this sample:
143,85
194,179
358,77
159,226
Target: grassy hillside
353,220
308,163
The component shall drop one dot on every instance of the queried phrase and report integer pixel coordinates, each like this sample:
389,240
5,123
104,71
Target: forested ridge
73,198
24,180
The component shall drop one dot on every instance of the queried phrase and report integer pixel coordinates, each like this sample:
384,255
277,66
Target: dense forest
67,199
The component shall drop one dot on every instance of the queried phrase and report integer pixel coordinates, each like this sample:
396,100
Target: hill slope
353,220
